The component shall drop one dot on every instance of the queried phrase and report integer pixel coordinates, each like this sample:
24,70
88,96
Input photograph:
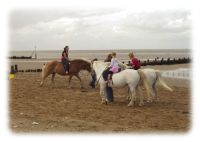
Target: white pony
128,77
154,77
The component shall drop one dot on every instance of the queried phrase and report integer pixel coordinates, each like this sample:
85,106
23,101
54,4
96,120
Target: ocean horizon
122,54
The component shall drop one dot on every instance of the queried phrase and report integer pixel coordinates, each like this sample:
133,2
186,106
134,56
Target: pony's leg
69,83
152,95
79,80
128,98
52,77
155,93
149,97
133,96
139,90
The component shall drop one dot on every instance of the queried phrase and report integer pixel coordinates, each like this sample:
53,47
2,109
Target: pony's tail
43,70
43,74
144,80
160,80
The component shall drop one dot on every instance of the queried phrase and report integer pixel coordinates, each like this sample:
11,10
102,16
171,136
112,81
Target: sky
99,28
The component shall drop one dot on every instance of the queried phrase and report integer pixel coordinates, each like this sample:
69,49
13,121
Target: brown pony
75,67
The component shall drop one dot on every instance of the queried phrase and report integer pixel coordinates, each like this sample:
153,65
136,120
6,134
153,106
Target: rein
98,80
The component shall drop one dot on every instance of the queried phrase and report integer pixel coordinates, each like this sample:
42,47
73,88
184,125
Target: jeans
66,65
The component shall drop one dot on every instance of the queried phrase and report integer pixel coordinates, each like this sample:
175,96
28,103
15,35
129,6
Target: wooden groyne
20,57
163,61
14,69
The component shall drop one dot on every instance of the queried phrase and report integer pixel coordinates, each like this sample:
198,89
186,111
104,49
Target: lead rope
98,80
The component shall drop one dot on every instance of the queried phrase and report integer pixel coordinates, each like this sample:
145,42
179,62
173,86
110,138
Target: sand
57,108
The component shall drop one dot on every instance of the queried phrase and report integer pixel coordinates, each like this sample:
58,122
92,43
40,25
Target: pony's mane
82,59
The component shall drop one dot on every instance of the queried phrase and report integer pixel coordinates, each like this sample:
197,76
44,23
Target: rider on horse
113,68
65,59
135,62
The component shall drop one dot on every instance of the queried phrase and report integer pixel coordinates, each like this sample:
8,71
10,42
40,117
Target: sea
122,54
143,54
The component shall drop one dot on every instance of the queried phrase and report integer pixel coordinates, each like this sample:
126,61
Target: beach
57,108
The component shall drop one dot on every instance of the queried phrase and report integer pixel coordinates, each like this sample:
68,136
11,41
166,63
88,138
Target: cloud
100,28
159,21
21,18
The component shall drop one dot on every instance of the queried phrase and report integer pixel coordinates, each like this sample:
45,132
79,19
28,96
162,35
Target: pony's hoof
141,104
128,98
130,105
149,101
104,102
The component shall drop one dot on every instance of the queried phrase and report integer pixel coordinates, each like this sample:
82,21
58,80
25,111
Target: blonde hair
131,55
114,54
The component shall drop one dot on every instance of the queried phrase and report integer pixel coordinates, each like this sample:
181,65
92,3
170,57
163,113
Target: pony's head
123,66
86,65
99,66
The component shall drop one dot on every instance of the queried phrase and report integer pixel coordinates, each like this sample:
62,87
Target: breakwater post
163,61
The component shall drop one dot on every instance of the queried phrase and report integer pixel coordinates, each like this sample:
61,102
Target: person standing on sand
65,59
93,74
135,62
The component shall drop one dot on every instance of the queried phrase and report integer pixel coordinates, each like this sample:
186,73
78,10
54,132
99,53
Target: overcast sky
99,28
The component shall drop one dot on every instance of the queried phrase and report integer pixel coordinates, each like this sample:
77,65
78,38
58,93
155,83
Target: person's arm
112,63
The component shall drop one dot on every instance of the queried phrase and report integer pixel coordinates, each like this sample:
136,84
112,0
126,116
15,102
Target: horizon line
106,49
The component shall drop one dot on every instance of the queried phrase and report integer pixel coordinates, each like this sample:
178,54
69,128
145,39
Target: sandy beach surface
57,108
